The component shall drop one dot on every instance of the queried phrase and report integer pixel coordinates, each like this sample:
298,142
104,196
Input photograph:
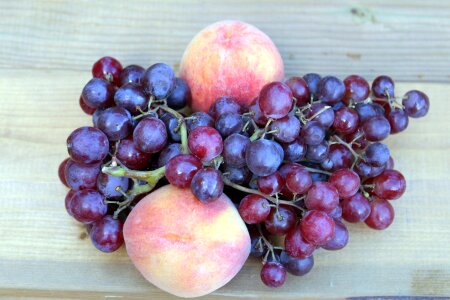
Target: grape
355,209
258,248
317,227
365,111
273,274
87,145
129,155
340,157
381,214
205,143
336,213
171,123
106,234
377,154
131,74
229,123
150,135
389,185
298,179
286,129
167,153
279,222
275,100
356,88
181,169
270,184
317,153
98,93
207,184
376,128
322,196
158,81
398,119
324,117
79,176
299,89
116,123
234,148
107,185
107,68
254,209
297,266
313,133
131,97
198,119
312,79
88,206
263,157
224,105
390,163
346,182
257,116
416,104
346,120
294,151
296,246
86,108
339,239
68,201
180,96
96,116
61,168
238,175
364,169
330,90
382,86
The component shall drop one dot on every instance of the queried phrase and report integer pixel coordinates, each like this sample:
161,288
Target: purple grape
234,148
88,206
87,145
79,176
150,135
181,95
207,184
116,123
98,93
107,185
263,157
131,97
106,234
131,74
158,81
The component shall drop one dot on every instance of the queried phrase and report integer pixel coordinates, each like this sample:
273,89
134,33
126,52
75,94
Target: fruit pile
306,155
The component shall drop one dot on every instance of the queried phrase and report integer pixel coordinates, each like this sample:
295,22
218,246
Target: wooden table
46,51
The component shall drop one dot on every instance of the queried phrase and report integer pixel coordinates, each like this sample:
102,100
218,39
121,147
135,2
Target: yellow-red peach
184,246
229,58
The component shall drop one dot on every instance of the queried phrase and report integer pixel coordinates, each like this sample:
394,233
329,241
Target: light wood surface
45,56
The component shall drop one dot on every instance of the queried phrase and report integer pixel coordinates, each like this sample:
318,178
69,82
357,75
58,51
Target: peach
184,246
229,58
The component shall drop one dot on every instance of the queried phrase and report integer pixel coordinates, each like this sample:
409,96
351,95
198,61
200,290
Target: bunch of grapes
304,156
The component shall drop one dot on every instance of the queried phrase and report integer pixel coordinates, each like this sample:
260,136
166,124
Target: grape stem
268,244
348,146
183,128
152,177
317,171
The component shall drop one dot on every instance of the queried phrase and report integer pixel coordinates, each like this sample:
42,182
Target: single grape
355,209
108,185
317,153
180,96
107,68
229,123
365,111
198,119
383,86
116,123
294,151
376,128
96,116
379,108
346,182
398,119
339,239
299,89
377,154
98,93
61,168
364,169
381,214
273,274
286,129
131,97
263,157
158,81
131,156
150,135
205,143
238,175
317,227
86,108
313,133
416,104
257,115
322,196
106,234
297,266
207,184
168,152
181,169
270,184
336,213
254,209
79,176
340,157
68,200
356,88
172,126
275,100
390,163
234,148
389,185
298,180
87,145
330,90
131,74
296,246
346,120
88,206
320,113
224,105
281,220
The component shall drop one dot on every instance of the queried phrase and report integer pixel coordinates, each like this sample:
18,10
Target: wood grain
409,41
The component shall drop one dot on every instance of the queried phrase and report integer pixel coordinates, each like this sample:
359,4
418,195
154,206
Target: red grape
313,133
270,184
299,89
296,246
339,239
356,88
86,108
280,221
106,234
229,123
181,169
298,180
398,119
346,120
198,119
107,185
61,168
107,68
318,112
257,116
317,227
355,209
322,196
132,157
383,86
346,182
381,214
275,100
88,206
205,143
87,145
254,209
273,274
389,185
68,200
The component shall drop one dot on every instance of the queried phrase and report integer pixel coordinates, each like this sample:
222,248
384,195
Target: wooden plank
44,253
410,41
